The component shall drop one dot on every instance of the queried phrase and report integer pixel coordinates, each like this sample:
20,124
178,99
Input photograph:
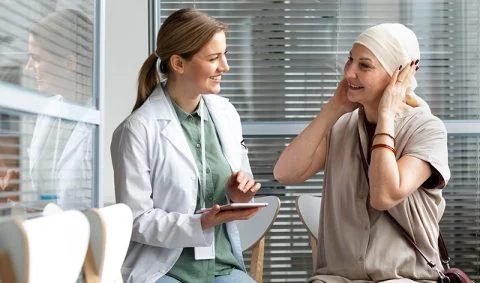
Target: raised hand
340,98
241,188
395,94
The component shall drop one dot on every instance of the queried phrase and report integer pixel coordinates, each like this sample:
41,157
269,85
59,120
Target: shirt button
208,171
360,258
197,145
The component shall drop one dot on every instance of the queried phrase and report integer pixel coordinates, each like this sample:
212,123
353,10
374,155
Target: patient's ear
416,101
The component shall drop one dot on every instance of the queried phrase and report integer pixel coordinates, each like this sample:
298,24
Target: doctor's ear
177,63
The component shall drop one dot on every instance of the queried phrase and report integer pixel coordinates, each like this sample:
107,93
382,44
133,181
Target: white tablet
236,205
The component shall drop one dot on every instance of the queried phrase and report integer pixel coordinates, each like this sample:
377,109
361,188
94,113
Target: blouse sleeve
429,143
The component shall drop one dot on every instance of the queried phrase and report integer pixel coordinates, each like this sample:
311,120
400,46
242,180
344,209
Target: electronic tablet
236,205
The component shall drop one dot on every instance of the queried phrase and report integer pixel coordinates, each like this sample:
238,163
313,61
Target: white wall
126,47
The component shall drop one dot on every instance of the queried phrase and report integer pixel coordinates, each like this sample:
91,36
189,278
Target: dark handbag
453,275
450,275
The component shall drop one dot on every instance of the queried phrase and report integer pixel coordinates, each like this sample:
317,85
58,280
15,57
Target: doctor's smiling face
205,69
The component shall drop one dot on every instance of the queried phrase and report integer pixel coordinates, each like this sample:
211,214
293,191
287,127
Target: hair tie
164,67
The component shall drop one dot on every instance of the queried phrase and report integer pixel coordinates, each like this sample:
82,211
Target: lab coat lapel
172,130
219,112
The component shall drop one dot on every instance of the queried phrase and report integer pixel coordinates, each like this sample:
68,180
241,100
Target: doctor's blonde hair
183,33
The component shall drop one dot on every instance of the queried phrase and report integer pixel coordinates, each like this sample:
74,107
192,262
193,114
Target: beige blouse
357,242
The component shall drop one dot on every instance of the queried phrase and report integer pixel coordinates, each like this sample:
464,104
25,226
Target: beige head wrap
393,44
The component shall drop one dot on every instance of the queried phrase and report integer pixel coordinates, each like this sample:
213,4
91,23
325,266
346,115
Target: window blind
286,58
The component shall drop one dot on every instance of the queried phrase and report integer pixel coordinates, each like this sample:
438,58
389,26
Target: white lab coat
156,175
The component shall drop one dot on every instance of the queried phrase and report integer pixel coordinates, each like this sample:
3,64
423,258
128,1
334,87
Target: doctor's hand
241,188
214,216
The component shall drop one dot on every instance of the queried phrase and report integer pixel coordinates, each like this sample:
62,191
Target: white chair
44,249
110,233
51,208
252,233
308,208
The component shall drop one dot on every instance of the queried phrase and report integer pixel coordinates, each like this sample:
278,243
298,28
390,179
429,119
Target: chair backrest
47,248
51,208
110,233
253,230
308,208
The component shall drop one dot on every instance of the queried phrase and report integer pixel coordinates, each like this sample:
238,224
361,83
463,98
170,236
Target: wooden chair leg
6,269
89,270
256,264
313,245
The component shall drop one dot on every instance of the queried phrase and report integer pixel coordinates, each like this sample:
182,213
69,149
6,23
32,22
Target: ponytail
148,80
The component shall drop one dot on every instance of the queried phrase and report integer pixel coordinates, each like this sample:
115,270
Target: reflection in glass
46,159
50,52
9,161
60,55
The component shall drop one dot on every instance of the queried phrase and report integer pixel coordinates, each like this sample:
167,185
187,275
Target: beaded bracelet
386,134
382,145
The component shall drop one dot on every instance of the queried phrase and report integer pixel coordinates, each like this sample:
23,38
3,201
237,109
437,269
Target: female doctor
180,151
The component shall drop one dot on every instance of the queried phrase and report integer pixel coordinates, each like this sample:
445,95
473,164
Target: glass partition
49,115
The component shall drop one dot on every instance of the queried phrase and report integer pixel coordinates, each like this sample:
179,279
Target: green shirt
187,269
